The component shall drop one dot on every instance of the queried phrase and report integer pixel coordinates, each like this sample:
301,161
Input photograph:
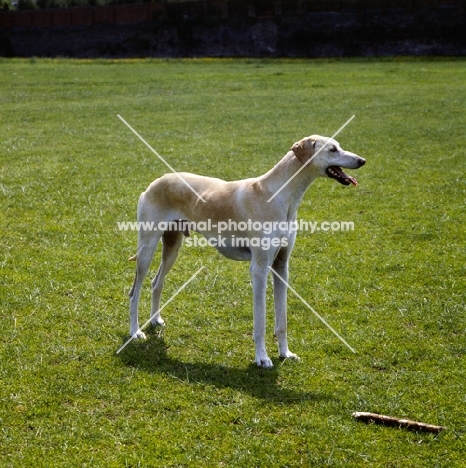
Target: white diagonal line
160,157
310,159
311,309
161,308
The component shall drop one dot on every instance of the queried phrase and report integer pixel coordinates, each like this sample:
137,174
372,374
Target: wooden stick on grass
392,421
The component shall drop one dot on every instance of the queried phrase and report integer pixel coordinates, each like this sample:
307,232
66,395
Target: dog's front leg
280,280
259,285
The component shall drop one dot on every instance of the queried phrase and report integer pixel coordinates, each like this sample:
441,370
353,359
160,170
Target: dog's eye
333,149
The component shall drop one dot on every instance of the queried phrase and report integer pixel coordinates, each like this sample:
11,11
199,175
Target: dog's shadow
151,356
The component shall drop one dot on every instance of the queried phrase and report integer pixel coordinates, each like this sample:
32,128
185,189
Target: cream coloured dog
270,200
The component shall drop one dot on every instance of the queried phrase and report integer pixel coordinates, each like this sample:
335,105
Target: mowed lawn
189,396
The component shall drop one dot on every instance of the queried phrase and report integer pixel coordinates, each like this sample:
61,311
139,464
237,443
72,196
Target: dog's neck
286,170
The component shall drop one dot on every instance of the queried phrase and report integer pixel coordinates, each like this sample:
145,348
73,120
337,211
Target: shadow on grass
151,356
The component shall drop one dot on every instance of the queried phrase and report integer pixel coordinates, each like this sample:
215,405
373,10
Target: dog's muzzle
335,172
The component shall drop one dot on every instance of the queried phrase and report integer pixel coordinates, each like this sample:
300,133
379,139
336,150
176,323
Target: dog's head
326,158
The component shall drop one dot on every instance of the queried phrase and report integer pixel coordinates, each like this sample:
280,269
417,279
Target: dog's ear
304,149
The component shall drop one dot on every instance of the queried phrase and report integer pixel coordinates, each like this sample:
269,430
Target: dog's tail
133,258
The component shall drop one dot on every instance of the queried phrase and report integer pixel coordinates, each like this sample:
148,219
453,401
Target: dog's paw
264,362
290,355
157,321
139,335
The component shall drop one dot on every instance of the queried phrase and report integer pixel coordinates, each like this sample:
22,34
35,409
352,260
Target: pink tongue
353,181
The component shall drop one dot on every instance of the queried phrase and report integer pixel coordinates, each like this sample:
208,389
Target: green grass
190,395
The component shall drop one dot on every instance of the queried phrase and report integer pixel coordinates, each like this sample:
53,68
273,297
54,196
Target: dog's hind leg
171,243
147,243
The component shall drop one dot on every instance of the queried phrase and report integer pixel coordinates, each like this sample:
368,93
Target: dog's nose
362,161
